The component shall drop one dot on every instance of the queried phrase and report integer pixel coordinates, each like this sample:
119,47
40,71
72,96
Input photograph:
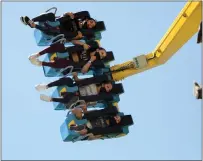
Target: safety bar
62,70
60,36
52,9
78,101
62,41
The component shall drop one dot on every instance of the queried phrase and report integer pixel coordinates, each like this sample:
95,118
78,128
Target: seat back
67,134
72,136
100,26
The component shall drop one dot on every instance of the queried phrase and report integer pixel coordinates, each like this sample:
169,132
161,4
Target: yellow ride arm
182,29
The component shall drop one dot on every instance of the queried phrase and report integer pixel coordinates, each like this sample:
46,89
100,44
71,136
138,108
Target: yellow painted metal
63,90
53,56
71,123
182,29
116,105
117,76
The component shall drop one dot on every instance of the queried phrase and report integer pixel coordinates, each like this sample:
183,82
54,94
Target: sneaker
196,90
26,20
45,98
41,87
23,20
36,62
33,56
31,60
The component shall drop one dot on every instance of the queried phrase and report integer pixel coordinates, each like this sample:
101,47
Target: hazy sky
167,117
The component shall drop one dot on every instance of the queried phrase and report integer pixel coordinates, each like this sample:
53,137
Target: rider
73,26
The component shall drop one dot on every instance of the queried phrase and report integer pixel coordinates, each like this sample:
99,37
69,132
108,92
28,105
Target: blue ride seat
66,133
57,93
48,71
56,72
72,136
61,106
43,39
124,133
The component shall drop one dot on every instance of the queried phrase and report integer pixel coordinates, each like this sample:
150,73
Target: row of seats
43,39
69,135
54,72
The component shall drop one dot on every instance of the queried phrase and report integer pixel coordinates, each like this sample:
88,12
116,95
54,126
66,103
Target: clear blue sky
167,117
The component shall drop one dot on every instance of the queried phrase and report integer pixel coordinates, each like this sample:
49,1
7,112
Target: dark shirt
71,25
84,56
102,122
99,122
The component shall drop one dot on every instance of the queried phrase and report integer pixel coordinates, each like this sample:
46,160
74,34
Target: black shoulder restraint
108,111
95,80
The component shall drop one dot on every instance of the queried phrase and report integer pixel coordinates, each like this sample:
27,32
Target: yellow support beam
182,29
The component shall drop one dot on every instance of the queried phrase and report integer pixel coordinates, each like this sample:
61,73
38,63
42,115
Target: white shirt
88,90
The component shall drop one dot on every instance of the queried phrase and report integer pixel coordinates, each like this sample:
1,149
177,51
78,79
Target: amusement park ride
182,29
